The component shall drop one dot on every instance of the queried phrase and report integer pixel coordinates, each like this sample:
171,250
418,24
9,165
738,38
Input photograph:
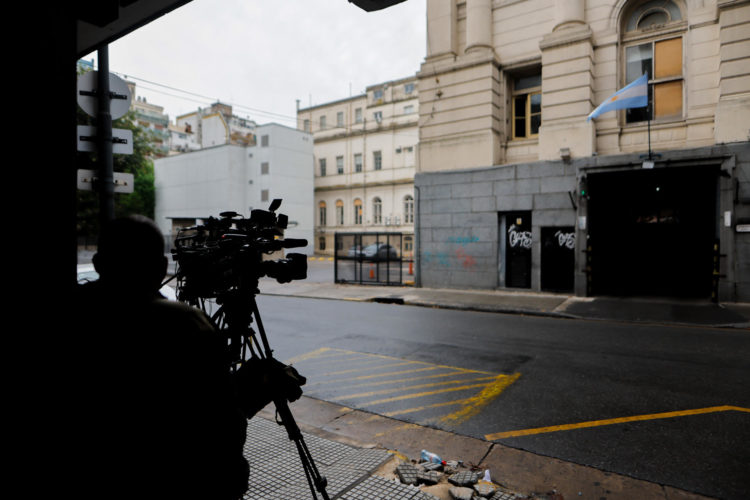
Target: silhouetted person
161,415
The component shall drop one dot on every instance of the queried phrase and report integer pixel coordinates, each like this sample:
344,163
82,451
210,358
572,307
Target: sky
261,56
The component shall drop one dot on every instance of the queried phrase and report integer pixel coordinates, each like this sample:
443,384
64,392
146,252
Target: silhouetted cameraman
163,415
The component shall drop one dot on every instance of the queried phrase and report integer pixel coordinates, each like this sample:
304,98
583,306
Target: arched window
408,209
339,212
653,44
322,213
358,211
377,211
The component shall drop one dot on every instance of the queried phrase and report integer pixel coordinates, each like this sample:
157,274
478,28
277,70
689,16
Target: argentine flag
633,95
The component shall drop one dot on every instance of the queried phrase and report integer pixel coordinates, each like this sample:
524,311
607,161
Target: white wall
228,178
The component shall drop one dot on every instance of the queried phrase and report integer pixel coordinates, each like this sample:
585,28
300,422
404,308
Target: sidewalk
360,453
639,310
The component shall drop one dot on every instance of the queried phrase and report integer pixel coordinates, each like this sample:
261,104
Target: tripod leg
314,479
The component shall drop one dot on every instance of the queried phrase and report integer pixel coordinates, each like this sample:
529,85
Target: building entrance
652,231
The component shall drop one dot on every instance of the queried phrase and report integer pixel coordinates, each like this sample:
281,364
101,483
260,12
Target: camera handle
314,479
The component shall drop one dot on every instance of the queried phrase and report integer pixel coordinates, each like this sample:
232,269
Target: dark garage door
652,231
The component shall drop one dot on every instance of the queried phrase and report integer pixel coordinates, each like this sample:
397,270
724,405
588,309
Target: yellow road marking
333,356
472,405
427,407
377,375
411,387
423,394
359,369
465,370
397,381
611,421
482,399
310,355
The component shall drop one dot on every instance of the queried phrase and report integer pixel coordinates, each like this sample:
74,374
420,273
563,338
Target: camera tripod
234,318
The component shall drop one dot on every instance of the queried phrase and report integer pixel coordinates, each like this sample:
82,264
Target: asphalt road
659,403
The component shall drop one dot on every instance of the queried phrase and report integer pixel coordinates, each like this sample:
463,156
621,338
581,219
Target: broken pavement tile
428,466
461,493
504,495
428,477
407,473
485,489
464,478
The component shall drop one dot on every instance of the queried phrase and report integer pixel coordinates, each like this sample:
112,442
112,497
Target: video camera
228,252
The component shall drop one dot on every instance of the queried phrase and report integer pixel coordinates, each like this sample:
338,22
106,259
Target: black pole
104,126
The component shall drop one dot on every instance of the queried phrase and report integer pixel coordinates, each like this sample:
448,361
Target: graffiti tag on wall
443,259
463,240
567,240
520,239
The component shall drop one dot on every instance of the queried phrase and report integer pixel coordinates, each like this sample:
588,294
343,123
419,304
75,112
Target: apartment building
517,189
193,186
365,154
216,125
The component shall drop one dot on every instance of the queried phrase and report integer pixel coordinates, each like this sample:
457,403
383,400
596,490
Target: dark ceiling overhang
100,22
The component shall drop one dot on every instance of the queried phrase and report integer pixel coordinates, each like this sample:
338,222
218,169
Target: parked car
355,251
86,273
380,251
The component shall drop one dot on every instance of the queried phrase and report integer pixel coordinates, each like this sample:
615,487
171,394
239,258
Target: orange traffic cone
372,273
411,267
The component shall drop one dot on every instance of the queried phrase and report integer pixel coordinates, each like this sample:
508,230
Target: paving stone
485,489
464,478
428,466
429,477
461,493
503,495
379,487
407,473
425,496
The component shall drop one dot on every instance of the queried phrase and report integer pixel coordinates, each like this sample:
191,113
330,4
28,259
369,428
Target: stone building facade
364,163
517,189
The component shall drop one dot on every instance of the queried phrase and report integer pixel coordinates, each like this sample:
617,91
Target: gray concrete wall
457,228
459,218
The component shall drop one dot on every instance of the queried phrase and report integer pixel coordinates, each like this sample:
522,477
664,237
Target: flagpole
648,116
